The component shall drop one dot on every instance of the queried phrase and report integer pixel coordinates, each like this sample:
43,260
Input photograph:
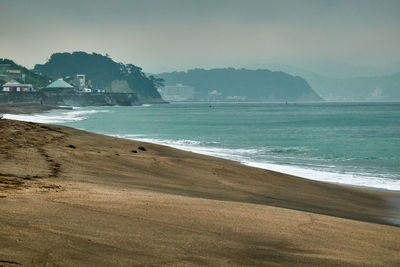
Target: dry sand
73,198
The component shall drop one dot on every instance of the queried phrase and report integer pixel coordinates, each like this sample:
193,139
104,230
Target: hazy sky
165,35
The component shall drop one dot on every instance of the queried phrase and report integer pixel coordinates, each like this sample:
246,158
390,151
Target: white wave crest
54,116
236,154
360,180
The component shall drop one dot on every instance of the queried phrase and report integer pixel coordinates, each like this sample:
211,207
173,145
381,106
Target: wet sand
74,198
27,108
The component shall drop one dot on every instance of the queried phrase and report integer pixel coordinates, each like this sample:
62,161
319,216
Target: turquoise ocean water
356,144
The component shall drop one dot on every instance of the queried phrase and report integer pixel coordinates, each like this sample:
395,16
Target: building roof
11,83
13,71
14,83
60,83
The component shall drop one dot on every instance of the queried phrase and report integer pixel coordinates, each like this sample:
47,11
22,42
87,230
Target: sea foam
54,116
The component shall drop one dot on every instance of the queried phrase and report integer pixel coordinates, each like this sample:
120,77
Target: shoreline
69,191
230,161
275,167
296,170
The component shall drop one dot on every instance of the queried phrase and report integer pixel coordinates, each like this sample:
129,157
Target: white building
81,81
177,92
14,86
214,96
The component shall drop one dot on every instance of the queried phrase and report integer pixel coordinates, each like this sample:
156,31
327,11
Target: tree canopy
101,70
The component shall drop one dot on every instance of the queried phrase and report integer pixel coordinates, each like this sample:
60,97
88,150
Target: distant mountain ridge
229,83
103,72
373,88
378,88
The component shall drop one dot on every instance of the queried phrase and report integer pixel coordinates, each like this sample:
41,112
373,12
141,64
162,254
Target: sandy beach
74,198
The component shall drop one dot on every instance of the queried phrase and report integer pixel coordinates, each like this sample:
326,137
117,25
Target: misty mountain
103,72
230,83
379,88
374,88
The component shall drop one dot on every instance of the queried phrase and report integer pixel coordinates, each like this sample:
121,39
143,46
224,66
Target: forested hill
250,84
38,81
102,71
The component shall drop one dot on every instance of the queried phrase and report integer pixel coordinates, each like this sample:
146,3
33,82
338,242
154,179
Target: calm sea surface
356,144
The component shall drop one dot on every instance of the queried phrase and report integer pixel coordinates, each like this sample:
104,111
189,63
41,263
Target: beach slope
74,198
